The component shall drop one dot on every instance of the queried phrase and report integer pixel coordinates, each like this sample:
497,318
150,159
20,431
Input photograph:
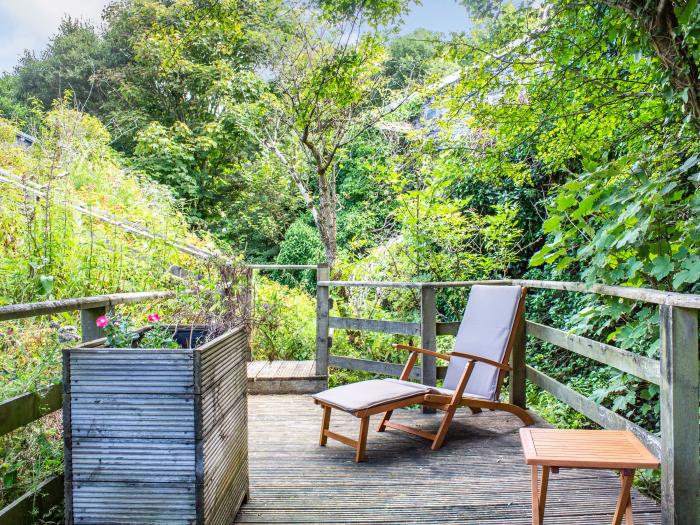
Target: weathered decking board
478,477
284,377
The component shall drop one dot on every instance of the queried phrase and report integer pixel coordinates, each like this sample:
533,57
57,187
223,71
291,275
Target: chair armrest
410,348
484,360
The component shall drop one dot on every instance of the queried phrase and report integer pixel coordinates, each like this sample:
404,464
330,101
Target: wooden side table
591,449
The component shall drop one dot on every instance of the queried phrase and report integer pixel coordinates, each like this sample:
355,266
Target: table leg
539,494
624,501
543,491
535,497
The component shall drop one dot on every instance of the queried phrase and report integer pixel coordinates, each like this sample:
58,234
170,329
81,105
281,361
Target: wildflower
153,318
102,321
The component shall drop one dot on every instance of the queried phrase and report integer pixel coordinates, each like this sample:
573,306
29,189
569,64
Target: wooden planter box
156,436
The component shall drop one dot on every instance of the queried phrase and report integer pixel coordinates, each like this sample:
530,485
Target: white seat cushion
437,390
368,394
484,331
431,389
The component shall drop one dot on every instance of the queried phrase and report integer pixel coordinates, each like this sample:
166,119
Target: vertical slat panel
130,436
224,428
680,470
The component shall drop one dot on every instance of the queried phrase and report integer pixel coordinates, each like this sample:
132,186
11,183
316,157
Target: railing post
516,394
249,309
322,311
88,327
680,470
428,337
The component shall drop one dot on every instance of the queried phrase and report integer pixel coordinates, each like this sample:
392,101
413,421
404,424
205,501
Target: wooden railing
676,372
31,406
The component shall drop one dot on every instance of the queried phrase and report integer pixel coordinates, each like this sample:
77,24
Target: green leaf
661,267
632,267
585,206
684,14
551,224
565,201
538,258
47,283
689,274
620,403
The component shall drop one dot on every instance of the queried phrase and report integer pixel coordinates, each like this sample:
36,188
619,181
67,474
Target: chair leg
362,439
444,426
325,424
385,418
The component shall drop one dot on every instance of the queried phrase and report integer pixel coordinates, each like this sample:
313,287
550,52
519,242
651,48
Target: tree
412,57
669,28
327,89
574,102
672,29
173,96
182,62
70,62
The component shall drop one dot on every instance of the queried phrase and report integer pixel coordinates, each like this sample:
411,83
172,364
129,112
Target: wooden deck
284,377
478,477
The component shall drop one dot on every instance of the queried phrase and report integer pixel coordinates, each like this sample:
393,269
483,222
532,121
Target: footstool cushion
367,394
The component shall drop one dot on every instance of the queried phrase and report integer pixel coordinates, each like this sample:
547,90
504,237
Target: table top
585,449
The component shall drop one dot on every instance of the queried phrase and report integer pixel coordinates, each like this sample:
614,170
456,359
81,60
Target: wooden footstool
590,449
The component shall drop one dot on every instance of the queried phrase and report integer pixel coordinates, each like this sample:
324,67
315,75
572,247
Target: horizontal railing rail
28,407
283,266
676,372
625,361
646,295
24,310
375,325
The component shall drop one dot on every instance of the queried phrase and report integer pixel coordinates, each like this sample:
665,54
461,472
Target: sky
28,24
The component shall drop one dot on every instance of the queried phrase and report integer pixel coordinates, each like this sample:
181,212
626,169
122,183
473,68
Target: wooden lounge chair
474,376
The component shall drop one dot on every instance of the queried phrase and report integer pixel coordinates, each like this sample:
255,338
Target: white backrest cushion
484,331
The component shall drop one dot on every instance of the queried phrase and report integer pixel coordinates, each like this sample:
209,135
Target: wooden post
249,309
87,323
680,469
516,392
428,338
322,311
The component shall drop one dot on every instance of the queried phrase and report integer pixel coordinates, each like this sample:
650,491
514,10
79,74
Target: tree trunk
660,22
326,222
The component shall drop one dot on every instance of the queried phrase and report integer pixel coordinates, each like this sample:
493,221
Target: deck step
284,377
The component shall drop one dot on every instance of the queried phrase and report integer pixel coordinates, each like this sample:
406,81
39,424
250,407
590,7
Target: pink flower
153,318
102,321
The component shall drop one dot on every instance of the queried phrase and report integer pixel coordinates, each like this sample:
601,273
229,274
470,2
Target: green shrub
285,322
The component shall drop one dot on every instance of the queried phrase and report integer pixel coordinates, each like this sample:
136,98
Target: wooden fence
676,372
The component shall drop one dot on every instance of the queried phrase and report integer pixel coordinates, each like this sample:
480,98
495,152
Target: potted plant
156,425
